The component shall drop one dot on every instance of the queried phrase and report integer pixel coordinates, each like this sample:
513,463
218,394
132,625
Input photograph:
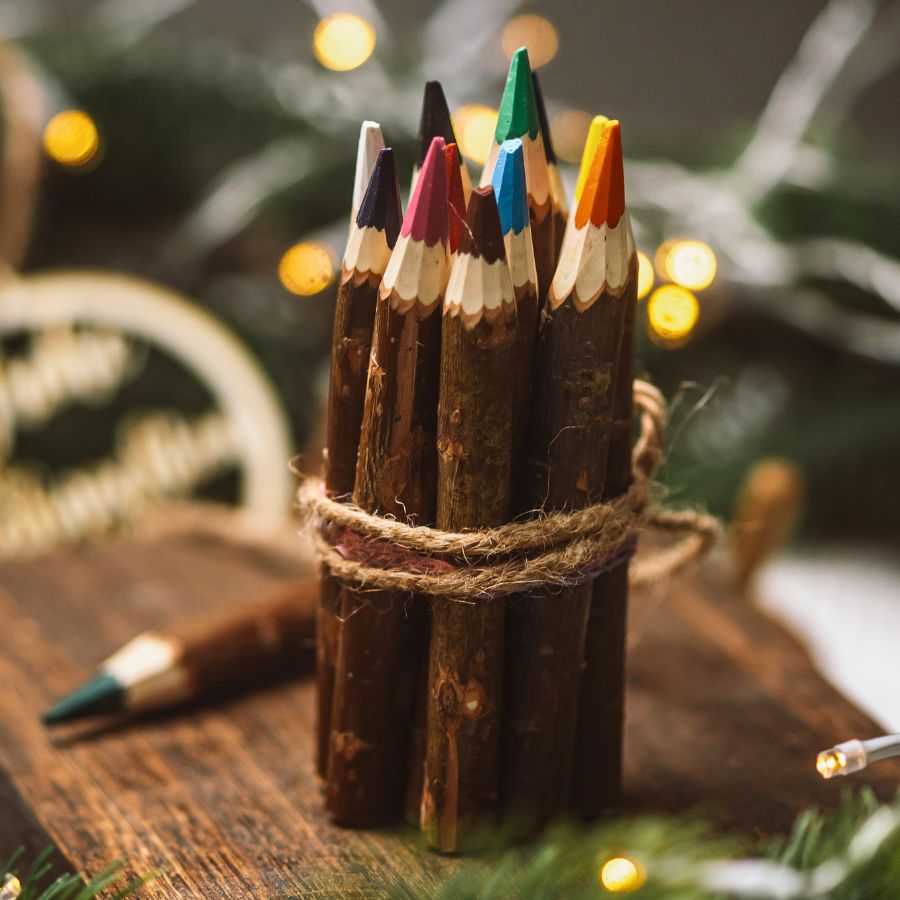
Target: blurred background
208,147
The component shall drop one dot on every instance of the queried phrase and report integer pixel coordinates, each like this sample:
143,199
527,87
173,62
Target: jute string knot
550,549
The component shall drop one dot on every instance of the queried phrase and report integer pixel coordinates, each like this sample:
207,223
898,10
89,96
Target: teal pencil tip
518,108
102,694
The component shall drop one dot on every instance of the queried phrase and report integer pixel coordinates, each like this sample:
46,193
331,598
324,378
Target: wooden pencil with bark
372,238
576,362
475,414
381,639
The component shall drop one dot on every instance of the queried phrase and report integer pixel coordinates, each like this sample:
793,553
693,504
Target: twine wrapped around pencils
560,548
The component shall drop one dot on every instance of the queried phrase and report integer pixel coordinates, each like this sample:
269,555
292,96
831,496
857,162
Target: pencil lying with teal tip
254,643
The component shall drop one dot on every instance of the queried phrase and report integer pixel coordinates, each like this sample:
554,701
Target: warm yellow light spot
474,126
306,269
830,763
343,41
645,275
672,312
569,129
533,32
692,264
11,888
71,138
621,875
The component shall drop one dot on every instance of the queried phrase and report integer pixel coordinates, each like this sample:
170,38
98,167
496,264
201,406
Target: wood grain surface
724,712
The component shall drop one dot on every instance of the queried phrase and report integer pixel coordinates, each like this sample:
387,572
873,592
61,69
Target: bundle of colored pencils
482,369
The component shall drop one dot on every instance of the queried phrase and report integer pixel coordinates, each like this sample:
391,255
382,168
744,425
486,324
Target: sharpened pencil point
380,207
426,215
102,694
435,121
587,154
456,197
542,120
603,199
509,186
482,235
518,108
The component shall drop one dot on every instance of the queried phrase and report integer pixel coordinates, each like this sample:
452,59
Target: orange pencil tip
603,198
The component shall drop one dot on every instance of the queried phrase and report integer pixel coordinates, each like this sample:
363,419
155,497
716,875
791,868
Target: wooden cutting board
725,713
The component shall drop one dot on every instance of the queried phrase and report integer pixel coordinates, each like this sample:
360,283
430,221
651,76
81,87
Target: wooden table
725,713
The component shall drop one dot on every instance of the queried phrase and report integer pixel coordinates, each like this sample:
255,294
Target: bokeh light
570,129
343,41
621,875
672,312
474,126
306,269
71,138
692,264
645,275
533,32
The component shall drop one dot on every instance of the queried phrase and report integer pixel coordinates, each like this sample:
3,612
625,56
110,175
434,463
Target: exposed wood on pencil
256,642
557,188
372,237
478,380
512,202
371,143
381,638
575,369
518,118
436,122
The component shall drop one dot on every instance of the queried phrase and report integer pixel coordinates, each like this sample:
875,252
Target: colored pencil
518,118
557,188
597,773
436,122
465,677
512,203
382,638
372,238
371,143
595,132
203,657
576,363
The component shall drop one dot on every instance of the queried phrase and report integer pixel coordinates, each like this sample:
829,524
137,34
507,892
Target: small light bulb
843,759
71,138
691,264
306,269
645,275
343,41
621,875
474,126
11,889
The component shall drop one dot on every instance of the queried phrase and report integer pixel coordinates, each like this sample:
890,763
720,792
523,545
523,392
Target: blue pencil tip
509,186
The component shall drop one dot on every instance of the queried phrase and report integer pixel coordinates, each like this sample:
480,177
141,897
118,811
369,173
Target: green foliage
68,886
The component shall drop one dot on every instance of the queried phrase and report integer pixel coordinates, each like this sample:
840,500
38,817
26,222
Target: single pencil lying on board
261,640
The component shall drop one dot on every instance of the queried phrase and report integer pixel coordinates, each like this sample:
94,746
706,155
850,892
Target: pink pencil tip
426,215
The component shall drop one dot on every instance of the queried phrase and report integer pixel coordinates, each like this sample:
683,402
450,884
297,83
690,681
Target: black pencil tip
380,207
435,121
102,694
482,235
549,152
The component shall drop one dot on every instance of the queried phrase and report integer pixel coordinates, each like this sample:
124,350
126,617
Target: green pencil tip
102,694
518,109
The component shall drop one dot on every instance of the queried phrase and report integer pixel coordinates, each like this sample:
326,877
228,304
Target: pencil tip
435,120
542,119
509,185
380,207
102,694
518,109
603,198
426,215
456,197
482,235
587,154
